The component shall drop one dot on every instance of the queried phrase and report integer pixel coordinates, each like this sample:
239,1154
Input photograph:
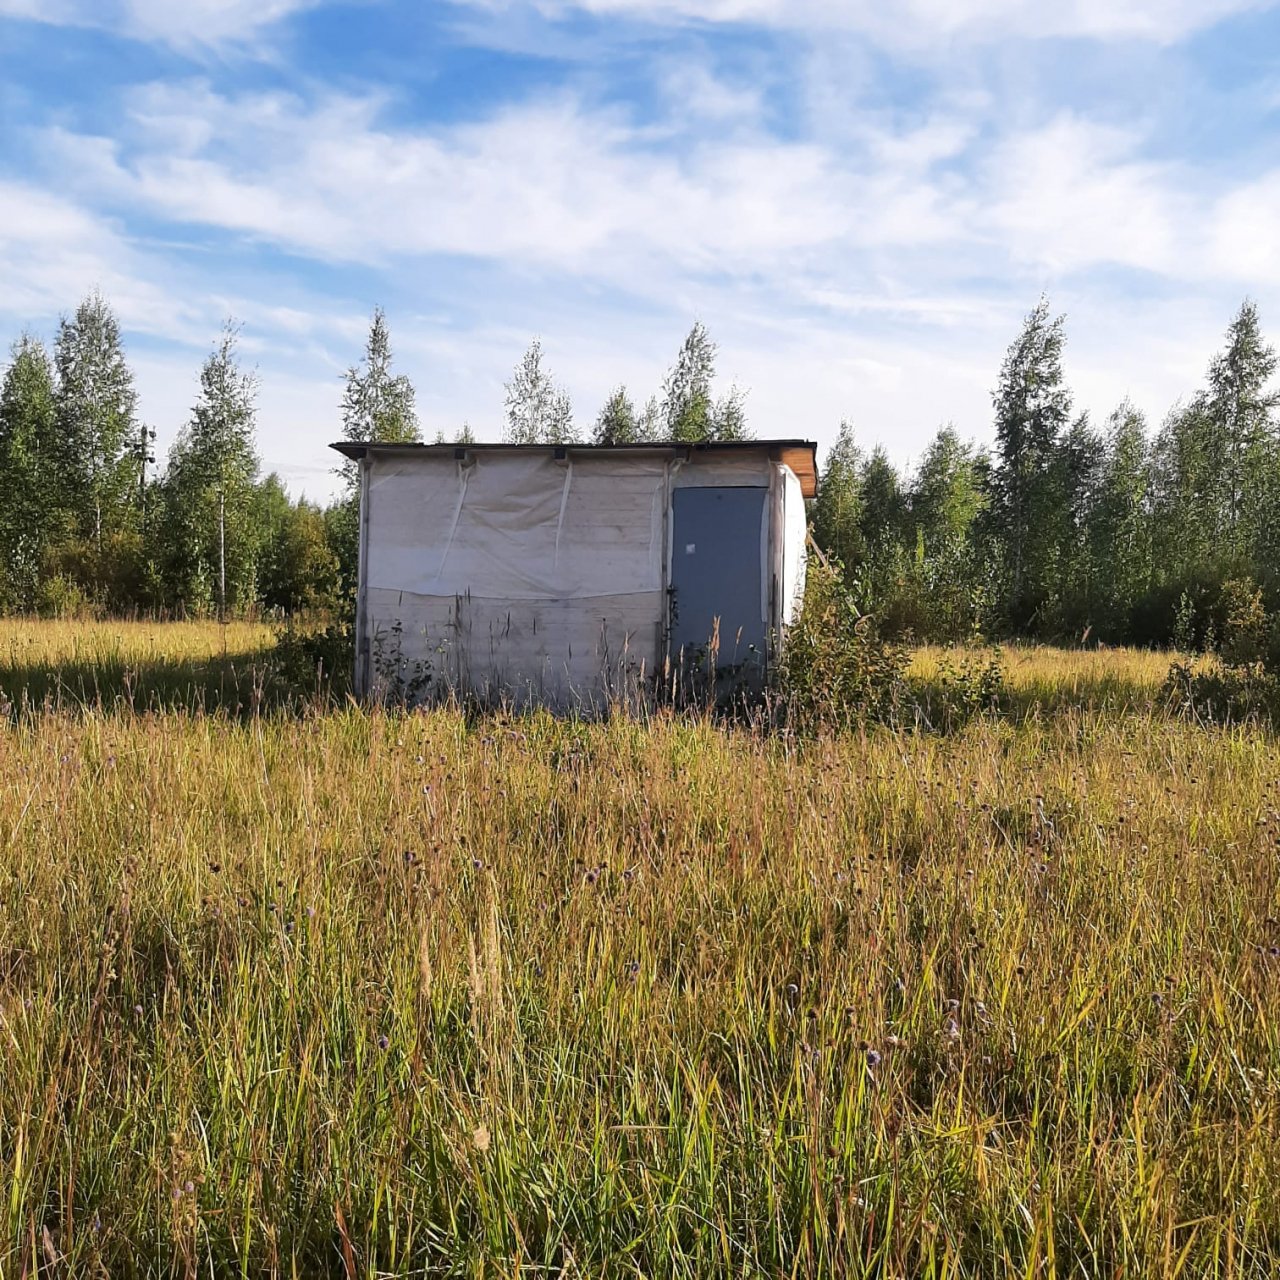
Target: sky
860,200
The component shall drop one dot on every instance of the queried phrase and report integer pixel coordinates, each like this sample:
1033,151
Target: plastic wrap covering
554,651
517,527
535,578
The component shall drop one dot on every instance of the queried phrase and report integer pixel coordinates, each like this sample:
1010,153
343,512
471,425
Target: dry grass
373,994
36,642
133,665
1041,677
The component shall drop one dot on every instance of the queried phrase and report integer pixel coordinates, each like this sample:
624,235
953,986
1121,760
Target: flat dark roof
799,455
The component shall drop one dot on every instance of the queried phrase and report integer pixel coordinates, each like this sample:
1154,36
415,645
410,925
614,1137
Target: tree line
1067,530
89,522
1060,530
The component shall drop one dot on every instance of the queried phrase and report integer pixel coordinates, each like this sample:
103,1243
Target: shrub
966,686
1244,622
1242,681
315,658
837,669
63,597
1220,692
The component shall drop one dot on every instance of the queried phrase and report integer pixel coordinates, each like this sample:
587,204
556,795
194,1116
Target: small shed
574,575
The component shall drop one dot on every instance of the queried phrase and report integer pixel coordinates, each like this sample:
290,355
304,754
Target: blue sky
859,200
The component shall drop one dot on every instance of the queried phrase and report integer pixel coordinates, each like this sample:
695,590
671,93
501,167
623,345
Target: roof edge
799,455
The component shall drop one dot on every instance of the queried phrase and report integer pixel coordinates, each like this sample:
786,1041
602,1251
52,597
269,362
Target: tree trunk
222,555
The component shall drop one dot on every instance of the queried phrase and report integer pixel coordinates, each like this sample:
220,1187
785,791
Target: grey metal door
716,573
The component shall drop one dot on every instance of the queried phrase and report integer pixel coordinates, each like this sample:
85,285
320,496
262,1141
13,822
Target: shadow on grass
256,681
232,684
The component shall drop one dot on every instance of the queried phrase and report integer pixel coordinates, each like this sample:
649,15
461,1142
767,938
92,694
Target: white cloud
554,185
917,22
1245,236
185,24
1071,195
54,252
868,263
551,184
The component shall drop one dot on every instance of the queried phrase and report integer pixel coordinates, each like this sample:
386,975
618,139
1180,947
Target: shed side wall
516,574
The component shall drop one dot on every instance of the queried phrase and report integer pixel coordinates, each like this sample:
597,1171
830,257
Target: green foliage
1068,532
299,568
836,515
30,514
686,394
313,657
1119,533
1242,680
836,668
1032,406
60,595
211,538
946,493
1184,637
967,684
377,404
689,412
464,435
97,430
538,412
908,551
618,422
1245,624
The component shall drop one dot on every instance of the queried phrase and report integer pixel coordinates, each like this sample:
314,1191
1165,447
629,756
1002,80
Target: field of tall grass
360,993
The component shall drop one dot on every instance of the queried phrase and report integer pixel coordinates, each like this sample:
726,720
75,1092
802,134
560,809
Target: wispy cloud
184,24
914,22
860,203
558,185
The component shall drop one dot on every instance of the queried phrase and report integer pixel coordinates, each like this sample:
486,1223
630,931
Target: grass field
360,993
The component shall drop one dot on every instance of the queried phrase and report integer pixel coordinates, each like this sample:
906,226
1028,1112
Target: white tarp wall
515,572
543,579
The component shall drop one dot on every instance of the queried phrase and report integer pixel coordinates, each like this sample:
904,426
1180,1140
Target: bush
1222,693
966,686
61,596
1245,624
1242,681
837,670
315,658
